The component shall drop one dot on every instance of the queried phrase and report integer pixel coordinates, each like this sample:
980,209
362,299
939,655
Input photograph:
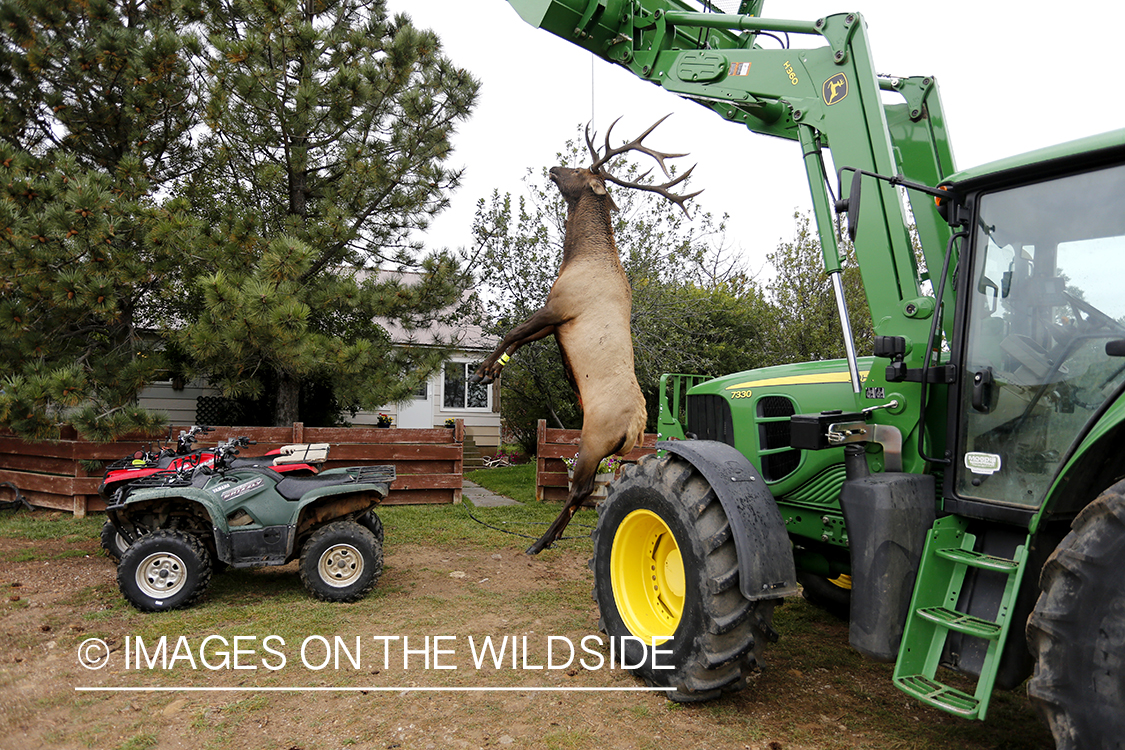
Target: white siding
178,406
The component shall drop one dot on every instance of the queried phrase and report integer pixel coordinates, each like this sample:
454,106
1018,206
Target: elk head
572,182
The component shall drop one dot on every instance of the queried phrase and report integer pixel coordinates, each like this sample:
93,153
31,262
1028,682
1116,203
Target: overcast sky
1013,77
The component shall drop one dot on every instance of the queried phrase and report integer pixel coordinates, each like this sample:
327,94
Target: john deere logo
835,89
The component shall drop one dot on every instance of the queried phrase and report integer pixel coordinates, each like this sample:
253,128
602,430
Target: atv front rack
159,480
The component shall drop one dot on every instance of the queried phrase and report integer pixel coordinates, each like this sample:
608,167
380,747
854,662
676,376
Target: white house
448,393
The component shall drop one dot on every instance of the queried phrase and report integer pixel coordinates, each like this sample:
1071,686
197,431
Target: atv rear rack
371,474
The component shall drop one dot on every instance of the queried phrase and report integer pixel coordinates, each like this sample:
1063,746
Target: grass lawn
452,571
516,482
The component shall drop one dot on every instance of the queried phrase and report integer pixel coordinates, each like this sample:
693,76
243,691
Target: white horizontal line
371,689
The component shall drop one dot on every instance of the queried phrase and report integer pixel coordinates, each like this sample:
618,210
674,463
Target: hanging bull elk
588,311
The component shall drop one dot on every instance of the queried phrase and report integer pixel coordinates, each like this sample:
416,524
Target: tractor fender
765,555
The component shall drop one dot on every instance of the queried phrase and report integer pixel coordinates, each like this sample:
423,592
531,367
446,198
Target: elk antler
601,161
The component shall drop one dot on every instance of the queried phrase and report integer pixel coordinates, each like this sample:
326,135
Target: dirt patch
400,691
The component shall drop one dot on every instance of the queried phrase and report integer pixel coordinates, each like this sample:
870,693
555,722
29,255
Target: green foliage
96,110
807,322
330,128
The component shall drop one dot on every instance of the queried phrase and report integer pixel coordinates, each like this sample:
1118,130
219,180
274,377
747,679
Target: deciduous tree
807,322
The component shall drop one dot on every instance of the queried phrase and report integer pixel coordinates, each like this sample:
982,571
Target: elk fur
588,310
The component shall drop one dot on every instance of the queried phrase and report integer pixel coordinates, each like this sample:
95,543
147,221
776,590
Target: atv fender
119,513
328,503
765,555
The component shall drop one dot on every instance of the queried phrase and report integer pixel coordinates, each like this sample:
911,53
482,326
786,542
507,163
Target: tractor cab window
1045,298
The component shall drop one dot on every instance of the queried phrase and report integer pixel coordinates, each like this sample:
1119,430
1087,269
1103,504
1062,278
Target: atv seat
294,488
304,453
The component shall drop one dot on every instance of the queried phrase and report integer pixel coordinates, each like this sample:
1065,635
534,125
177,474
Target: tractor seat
294,488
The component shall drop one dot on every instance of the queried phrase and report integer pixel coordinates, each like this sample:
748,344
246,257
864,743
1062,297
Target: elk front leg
541,324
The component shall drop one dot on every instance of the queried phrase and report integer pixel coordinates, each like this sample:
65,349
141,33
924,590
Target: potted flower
383,420
607,470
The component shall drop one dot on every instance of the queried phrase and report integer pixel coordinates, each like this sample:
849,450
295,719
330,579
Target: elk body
588,310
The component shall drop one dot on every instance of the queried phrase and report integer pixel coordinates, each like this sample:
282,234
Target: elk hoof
537,547
478,379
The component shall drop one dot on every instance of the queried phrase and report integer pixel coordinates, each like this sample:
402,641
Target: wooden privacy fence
58,474
554,445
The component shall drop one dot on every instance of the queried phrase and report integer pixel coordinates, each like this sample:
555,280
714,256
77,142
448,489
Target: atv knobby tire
341,562
665,564
113,544
372,523
164,569
1077,630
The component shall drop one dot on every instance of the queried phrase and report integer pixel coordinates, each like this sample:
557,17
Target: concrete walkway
482,498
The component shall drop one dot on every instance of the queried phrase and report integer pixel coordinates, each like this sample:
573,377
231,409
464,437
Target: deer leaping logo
835,89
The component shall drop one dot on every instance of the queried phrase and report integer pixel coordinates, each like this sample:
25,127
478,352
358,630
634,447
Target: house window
458,392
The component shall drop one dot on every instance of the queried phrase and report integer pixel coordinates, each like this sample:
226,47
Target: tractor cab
1042,337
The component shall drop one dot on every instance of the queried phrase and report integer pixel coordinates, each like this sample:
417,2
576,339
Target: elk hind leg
581,487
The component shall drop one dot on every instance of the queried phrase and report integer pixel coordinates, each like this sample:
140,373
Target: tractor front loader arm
812,82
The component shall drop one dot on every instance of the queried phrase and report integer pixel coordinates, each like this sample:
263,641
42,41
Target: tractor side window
1045,299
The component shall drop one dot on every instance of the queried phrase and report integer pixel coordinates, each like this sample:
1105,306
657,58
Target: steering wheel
1031,355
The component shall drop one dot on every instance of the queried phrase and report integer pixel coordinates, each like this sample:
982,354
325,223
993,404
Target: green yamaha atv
180,524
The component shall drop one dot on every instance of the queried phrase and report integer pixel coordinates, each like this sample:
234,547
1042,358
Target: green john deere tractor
959,491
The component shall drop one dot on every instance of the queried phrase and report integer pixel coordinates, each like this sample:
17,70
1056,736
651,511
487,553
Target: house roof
465,335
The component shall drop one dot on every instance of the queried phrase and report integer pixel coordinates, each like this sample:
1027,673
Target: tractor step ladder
947,557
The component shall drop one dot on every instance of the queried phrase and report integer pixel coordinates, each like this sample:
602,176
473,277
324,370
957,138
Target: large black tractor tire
164,570
341,562
1077,630
113,544
665,564
833,595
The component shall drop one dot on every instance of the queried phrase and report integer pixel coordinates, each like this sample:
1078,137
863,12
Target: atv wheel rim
161,575
340,565
647,573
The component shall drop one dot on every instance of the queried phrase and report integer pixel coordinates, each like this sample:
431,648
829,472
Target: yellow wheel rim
647,574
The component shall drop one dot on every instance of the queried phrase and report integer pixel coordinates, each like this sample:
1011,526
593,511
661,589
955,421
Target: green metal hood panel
832,371
1115,139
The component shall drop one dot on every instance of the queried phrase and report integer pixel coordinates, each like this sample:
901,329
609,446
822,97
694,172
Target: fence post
459,463
79,471
298,432
540,461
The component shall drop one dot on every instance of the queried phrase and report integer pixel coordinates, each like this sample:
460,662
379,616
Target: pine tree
96,105
330,127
